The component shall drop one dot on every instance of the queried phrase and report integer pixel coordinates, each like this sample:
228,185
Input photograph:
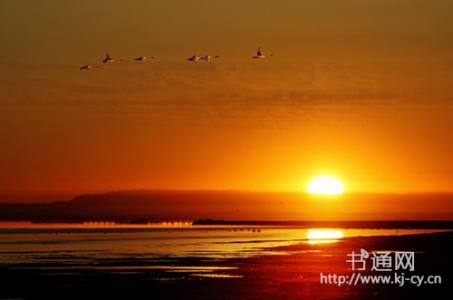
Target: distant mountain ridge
234,205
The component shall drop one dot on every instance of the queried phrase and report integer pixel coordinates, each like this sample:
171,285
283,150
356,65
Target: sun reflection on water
324,236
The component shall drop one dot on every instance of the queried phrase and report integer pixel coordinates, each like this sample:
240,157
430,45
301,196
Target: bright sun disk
327,185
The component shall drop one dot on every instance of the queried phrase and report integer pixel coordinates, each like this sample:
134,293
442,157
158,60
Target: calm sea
87,243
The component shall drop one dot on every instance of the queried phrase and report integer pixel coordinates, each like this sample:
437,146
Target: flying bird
206,58
141,58
89,67
259,54
86,68
194,58
108,59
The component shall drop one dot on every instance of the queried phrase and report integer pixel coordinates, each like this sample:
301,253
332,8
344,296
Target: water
88,243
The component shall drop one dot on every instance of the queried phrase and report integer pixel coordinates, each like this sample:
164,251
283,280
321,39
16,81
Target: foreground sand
292,276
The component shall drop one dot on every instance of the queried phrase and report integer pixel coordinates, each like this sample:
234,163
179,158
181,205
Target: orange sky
357,89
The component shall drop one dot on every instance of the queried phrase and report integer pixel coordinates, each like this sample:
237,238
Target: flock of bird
194,58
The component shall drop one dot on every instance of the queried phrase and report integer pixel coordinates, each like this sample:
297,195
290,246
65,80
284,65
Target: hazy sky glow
357,89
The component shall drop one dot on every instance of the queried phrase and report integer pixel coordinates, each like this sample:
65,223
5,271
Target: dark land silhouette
232,205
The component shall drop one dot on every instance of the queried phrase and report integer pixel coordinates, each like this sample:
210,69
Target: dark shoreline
384,224
292,276
350,224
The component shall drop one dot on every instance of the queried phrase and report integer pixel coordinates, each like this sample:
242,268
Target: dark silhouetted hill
191,205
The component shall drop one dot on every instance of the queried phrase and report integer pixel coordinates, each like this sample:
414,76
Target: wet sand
292,276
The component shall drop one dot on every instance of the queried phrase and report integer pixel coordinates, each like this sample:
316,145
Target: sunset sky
361,90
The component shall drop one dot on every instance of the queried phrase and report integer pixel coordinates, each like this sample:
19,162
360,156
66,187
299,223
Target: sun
325,185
